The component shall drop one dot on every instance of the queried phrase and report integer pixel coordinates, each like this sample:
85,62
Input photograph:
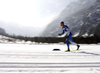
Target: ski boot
78,47
67,50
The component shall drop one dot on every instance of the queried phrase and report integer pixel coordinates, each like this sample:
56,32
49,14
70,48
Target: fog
15,29
29,17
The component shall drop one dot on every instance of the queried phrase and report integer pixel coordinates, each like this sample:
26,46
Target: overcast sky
31,12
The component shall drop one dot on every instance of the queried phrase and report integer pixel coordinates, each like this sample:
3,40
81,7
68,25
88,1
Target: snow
89,15
76,34
40,58
85,35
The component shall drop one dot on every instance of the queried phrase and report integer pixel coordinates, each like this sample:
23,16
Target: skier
69,36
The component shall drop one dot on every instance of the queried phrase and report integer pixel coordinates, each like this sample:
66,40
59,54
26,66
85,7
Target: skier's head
62,24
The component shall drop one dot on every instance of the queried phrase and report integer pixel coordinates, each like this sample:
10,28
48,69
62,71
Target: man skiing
69,36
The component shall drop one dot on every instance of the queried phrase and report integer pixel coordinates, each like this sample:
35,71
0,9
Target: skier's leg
71,41
67,42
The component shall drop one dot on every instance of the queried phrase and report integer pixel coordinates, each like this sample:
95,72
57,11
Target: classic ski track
49,65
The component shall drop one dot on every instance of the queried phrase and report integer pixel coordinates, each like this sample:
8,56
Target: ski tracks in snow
33,61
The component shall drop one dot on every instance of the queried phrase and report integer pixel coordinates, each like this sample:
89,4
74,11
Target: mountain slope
2,31
84,21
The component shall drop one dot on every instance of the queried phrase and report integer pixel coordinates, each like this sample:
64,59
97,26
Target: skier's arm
62,32
64,29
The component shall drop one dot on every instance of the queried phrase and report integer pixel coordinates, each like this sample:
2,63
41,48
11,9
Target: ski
73,50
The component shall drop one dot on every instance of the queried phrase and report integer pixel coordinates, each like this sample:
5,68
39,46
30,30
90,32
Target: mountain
82,17
2,31
18,30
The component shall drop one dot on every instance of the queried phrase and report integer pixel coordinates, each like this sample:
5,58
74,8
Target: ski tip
73,50
67,51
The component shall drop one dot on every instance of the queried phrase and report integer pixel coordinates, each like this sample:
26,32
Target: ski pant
69,39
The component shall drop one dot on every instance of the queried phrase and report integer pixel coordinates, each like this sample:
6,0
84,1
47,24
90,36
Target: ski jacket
67,30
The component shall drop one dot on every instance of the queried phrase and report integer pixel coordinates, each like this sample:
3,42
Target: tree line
79,40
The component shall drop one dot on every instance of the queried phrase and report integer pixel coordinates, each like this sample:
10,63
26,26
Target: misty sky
29,17
31,12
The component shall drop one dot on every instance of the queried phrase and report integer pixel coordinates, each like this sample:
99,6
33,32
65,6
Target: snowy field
39,58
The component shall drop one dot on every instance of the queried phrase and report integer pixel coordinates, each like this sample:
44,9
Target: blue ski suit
69,35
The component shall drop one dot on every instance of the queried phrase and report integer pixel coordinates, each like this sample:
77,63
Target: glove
59,34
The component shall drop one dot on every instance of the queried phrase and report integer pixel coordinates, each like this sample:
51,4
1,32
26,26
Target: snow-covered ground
40,58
